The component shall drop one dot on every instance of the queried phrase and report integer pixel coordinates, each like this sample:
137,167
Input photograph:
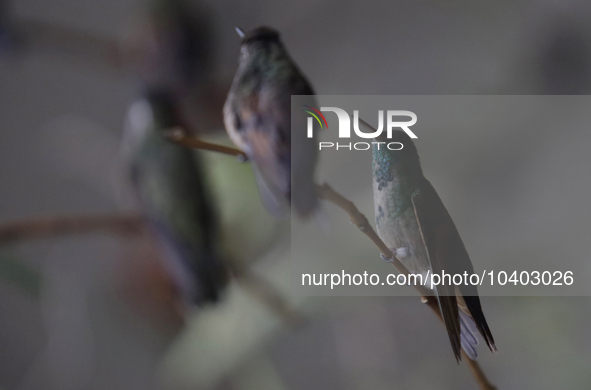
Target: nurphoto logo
393,121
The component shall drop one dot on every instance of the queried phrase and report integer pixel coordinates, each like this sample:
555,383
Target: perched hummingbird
169,185
257,115
412,220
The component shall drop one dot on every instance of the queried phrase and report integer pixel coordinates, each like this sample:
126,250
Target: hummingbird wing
259,123
285,157
272,198
268,146
447,253
436,236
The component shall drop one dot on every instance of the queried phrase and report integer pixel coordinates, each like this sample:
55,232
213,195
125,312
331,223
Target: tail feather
473,305
273,200
463,327
303,194
468,335
211,276
449,310
199,273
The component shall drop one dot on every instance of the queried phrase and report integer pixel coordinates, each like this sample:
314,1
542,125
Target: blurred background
94,312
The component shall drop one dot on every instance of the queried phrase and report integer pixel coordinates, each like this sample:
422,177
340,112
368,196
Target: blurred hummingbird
257,115
413,222
172,49
170,188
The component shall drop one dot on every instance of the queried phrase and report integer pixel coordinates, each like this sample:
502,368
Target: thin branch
478,374
51,226
181,137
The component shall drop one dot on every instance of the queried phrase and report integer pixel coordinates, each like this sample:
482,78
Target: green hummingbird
169,185
413,222
257,116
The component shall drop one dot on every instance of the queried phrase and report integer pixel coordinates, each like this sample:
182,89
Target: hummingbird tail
303,195
212,276
199,273
273,200
468,335
473,305
448,305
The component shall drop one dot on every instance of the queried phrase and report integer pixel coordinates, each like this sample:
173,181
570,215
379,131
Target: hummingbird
171,190
257,116
413,222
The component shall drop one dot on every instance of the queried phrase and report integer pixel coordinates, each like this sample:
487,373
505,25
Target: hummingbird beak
240,32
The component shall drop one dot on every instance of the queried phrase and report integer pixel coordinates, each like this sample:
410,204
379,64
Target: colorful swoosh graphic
315,116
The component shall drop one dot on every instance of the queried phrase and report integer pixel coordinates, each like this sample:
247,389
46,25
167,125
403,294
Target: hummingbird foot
387,259
399,253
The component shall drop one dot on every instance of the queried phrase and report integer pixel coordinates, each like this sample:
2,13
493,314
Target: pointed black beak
240,32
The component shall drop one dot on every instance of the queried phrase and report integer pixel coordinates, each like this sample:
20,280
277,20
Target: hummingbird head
258,44
261,33
257,36
407,155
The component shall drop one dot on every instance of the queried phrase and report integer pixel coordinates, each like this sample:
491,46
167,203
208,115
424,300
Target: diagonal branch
478,374
181,137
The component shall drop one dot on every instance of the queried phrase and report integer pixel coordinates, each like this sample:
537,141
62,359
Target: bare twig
181,137
51,226
478,374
